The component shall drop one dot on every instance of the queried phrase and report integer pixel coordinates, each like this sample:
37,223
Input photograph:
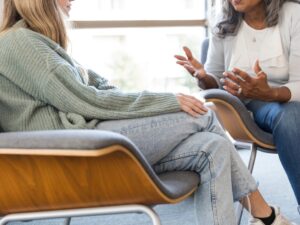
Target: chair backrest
53,179
204,50
235,118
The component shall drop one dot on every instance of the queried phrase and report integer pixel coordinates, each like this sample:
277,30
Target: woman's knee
214,145
288,119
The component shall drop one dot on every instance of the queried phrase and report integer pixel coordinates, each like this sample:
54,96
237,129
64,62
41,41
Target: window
132,42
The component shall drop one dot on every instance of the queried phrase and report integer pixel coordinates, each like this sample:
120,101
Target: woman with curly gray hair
254,54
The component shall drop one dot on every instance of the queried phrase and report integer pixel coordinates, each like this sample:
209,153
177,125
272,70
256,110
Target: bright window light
138,58
137,9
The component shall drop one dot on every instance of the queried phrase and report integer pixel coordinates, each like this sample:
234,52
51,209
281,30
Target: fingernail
222,80
225,87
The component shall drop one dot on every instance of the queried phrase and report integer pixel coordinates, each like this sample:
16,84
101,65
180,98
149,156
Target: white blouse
264,45
277,48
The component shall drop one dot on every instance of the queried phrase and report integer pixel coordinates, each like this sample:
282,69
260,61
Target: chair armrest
63,139
218,96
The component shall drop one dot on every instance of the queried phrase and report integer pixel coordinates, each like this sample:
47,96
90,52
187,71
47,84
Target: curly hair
231,19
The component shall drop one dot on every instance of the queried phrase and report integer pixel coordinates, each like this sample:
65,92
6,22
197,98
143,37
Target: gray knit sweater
41,88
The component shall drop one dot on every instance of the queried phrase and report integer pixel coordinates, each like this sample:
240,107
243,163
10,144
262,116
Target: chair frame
68,214
87,187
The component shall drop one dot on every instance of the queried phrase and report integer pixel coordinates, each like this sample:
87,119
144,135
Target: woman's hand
191,105
192,65
240,84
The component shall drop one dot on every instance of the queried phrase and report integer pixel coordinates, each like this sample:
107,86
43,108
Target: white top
279,54
264,45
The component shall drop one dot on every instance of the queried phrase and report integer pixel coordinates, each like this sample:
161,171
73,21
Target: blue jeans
283,121
178,141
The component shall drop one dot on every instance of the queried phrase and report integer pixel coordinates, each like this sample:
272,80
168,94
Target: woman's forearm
207,82
280,94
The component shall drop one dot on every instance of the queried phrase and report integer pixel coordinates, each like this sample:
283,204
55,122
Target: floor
268,172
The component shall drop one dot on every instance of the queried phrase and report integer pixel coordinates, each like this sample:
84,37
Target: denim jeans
283,121
178,141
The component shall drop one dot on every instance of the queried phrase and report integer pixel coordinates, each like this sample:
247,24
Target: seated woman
257,43
43,88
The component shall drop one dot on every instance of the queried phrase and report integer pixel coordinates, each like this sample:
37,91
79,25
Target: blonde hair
42,16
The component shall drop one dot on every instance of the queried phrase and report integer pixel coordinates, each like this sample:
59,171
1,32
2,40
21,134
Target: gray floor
268,171
274,185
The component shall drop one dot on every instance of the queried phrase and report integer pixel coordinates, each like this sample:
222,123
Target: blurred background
133,42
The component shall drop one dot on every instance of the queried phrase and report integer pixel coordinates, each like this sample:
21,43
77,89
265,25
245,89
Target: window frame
94,24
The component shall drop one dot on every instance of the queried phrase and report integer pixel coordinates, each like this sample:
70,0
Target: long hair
42,16
231,19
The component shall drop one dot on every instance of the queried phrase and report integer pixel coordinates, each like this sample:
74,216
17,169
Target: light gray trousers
178,141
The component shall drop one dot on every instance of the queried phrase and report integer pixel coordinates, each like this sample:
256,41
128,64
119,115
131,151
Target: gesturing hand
240,84
191,105
192,65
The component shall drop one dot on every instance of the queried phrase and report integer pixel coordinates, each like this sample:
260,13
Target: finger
188,53
230,84
242,74
231,91
195,104
194,110
257,69
232,77
189,68
189,111
199,108
181,62
180,57
191,99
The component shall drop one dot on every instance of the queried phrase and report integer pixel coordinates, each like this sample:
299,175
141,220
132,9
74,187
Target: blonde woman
43,88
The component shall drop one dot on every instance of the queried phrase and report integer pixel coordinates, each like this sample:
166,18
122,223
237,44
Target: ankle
269,219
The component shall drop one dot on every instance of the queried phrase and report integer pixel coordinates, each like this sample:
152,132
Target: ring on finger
260,72
239,91
195,74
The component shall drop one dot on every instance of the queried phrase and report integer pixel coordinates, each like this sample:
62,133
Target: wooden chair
71,173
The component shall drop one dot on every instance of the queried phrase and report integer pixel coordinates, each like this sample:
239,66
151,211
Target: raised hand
241,84
192,65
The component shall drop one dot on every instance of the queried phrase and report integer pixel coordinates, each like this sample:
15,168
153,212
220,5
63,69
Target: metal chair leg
83,212
250,168
67,221
252,157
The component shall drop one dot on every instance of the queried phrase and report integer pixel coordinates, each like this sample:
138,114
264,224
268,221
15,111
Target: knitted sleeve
98,81
67,94
43,70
